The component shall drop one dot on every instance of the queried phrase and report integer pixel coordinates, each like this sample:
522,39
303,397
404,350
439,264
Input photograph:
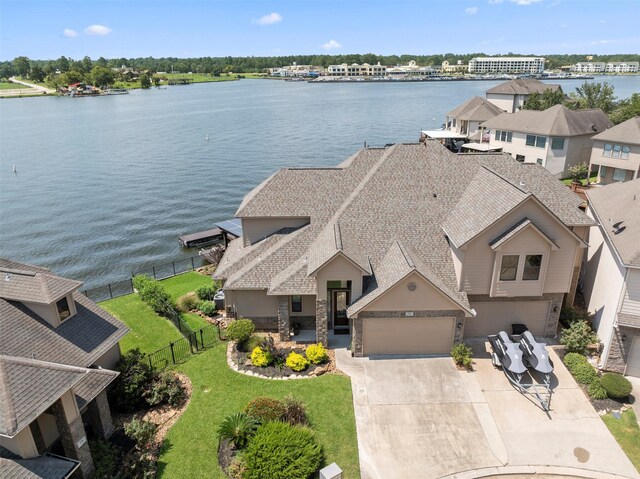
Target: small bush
187,302
206,292
616,385
254,342
578,336
136,377
154,294
260,358
571,360
461,354
265,409
238,429
316,353
237,468
139,465
106,459
568,316
165,389
297,362
208,308
584,373
240,330
281,451
596,391
295,412
142,432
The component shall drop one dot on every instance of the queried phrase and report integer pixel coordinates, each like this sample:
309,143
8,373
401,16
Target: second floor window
63,309
557,143
504,136
537,141
615,151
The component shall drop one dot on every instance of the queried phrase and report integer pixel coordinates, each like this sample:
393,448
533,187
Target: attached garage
407,335
633,361
493,317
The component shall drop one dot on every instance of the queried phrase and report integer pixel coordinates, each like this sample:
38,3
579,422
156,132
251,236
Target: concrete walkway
422,418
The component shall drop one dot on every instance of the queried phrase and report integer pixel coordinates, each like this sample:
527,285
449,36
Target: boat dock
223,232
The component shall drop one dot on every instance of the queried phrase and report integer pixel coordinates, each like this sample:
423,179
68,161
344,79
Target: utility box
332,471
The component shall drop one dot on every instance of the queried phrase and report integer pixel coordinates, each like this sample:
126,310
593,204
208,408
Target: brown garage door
499,316
633,361
407,335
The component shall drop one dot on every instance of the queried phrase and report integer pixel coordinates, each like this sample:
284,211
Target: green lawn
592,179
5,85
627,433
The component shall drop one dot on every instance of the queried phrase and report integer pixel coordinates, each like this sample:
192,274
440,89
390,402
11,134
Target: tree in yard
145,81
37,74
594,95
544,100
579,172
102,76
69,78
626,109
7,70
22,66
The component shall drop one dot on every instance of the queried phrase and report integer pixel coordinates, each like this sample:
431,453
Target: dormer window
509,267
64,311
532,265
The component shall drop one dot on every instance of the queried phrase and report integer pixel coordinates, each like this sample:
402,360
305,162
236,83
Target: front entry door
340,303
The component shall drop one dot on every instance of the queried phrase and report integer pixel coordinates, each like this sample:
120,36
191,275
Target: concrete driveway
422,418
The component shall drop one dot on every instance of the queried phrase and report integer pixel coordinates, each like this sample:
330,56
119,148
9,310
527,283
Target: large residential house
616,152
511,95
407,248
355,70
611,283
589,67
556,138
57,349
466,118
532,65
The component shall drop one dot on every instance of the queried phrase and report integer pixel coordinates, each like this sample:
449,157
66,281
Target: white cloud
97,30
69,33
331,45
471,10
269,19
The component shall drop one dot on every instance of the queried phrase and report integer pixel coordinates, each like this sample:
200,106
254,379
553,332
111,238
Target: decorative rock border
231,345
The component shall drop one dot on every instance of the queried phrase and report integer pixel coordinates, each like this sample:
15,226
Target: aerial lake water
105,185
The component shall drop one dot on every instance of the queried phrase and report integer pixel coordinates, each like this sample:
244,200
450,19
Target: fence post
201,338
173,356
173,263
153,268
110,292
192,265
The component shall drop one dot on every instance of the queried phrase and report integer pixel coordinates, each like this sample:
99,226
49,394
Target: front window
532,263
557,144
63,309
619,174
296,304
531,140
541,141
509,267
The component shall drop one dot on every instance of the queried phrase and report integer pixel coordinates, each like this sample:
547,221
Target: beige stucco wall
109,359
578,151
252,303
339,269
49,312
70,405
308,306
504,102
47,423
631,164
479,258
21,444
256,229
424,298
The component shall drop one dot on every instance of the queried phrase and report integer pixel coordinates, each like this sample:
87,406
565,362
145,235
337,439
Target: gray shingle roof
475,109
32,285
617,208
555,121
93,384
522,86
629,320
43,467
627,132
404,192
517,228
331,242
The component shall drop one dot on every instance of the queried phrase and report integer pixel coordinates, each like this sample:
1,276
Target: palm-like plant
238,429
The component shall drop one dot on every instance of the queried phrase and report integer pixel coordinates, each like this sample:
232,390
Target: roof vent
522,183
7,277
593,127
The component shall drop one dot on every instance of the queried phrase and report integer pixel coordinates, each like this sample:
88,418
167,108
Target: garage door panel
500,315
633,361
408,335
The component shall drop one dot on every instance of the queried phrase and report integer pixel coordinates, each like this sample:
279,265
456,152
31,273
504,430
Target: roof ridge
407,257
42,364
518,187
338,236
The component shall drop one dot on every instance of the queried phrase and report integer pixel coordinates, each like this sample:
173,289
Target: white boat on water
116,91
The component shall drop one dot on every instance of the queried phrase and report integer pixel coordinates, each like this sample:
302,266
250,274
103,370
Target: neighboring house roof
617,208
555,121
475,109
44,467
35,286
403,192
522,86
627,132
28,387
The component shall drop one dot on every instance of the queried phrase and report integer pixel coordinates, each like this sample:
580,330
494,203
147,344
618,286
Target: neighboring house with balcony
57,349
511,95
407,249
616,152
611,282
465,119
556,138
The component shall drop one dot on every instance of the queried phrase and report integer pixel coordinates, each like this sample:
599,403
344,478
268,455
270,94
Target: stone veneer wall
322,323
100,415
551,328
619,349
284,324
72,434
265,323
357,327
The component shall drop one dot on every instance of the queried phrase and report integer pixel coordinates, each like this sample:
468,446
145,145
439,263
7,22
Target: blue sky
140,28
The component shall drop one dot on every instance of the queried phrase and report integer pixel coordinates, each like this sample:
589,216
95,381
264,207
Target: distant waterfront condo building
459,67
532,65
588,67
622,67
410,69
602,67
355,70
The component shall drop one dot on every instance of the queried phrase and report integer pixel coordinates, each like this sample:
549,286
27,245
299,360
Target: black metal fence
184,348
162,271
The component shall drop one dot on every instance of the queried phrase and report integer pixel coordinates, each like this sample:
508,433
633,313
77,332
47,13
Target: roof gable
627,132
515,230
476,108
331,242
522,86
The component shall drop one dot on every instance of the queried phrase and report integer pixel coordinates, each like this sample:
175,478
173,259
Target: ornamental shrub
107,459
265,409
596,391
142,432
616,385
206,292
585,374
154,294
281,451
297,362
461,354
165,389
260,357
238,429
208,308
316,353
571,360
254,342
136,377
568,316
240,330
295,412
578,336
187,302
